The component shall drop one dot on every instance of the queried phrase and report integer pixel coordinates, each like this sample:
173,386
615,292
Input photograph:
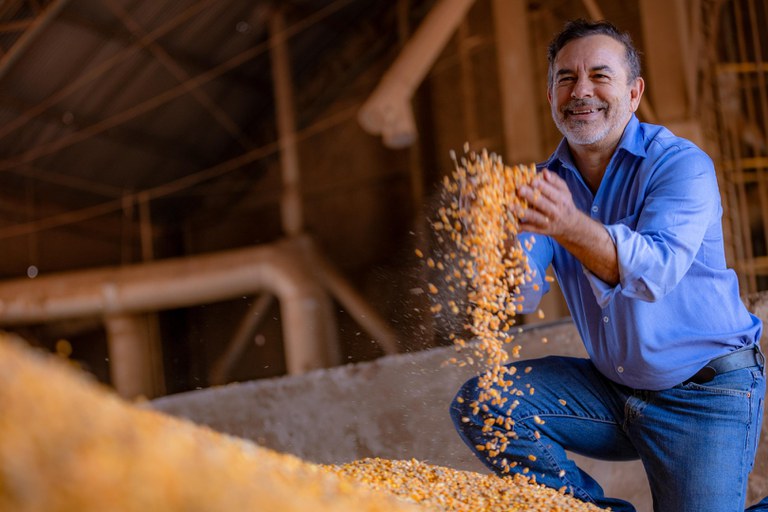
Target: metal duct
387,112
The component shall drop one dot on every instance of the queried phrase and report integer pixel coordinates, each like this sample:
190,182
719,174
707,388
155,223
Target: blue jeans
697,442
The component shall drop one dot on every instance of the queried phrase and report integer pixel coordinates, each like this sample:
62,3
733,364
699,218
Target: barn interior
198,193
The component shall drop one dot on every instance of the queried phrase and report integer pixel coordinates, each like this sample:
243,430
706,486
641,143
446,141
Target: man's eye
565,79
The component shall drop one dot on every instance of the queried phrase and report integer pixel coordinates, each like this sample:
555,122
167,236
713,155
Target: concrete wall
395,407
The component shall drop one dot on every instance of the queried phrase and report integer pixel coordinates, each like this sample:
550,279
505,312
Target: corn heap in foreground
67,444
481,259
458,491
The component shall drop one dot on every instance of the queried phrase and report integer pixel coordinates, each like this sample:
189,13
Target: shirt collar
632,141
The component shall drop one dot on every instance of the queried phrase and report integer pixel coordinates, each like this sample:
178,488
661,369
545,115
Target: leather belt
742,358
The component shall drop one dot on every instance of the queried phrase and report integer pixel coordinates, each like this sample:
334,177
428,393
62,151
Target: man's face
590,98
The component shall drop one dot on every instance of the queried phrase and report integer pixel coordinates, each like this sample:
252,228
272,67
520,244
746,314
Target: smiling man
629,217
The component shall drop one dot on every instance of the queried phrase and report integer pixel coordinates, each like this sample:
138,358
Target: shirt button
595,209
605,319
620,369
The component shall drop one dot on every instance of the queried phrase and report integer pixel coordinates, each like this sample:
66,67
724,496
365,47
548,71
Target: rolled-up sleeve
657,247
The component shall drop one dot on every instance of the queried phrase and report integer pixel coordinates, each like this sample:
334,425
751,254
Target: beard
589,132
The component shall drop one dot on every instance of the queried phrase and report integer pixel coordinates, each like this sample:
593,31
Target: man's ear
636,92
549,94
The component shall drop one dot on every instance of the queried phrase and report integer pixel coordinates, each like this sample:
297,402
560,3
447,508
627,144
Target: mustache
582,104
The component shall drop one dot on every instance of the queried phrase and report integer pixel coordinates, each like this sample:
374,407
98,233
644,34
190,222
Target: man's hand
550,206
551,211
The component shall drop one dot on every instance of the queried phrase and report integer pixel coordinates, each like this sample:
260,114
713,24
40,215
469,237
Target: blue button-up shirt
677,305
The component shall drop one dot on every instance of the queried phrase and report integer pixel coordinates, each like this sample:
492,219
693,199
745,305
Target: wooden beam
170,64
37,26
160,146
99,70
520,118
174,186
645,110
16,25
666,33
468,78
158,100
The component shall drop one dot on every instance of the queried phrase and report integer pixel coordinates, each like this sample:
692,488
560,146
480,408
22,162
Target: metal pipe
135,362
387,111
157,285
181,282
290,204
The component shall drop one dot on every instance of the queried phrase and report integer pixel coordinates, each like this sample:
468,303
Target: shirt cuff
630,251
602,291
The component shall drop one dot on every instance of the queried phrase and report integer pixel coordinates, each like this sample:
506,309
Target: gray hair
579,28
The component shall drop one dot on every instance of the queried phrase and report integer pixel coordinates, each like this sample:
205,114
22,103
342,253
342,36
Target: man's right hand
551,211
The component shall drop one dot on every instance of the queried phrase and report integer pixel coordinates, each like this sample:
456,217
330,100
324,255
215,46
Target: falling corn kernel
484,261
562,402
419,253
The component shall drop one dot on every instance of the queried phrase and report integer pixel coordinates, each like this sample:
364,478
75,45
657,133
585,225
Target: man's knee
462,403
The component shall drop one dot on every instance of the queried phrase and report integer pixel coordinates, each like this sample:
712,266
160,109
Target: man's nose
582,88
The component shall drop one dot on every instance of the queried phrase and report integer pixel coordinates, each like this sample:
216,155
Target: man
629,217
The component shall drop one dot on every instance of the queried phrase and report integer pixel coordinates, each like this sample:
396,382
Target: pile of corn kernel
480,264
68,444
451,490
